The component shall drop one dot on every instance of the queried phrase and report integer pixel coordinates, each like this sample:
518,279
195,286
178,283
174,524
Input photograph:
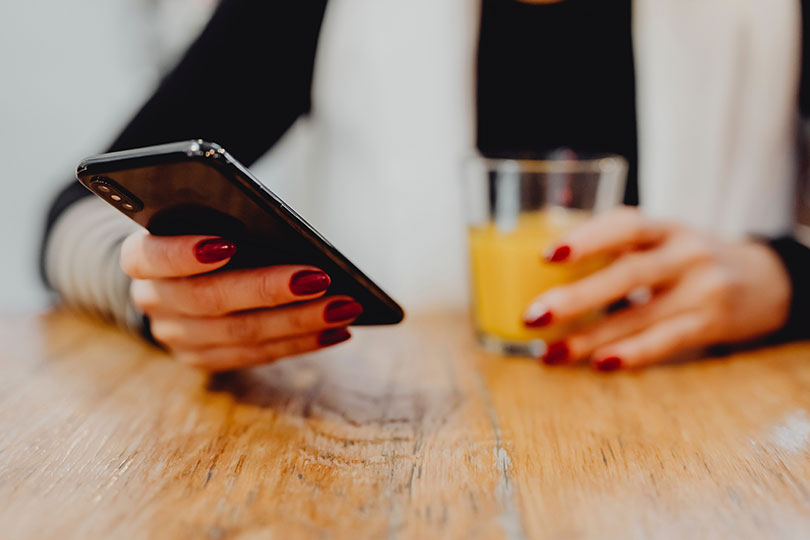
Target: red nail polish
559,254
556,353
342,310
542,320
308,282
214,250
611,363
333,336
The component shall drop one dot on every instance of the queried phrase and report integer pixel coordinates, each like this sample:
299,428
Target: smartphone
196,187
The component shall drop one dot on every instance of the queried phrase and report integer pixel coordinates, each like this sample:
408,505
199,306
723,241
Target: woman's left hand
704,291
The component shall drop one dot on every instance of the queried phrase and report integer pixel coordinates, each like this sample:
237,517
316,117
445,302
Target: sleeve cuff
796,259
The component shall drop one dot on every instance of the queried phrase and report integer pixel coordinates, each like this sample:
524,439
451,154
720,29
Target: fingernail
309,282
342,310
558,254
611,363
541,320
556,353
214,250
333,336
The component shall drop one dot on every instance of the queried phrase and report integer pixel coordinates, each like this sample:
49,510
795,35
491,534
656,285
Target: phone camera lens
115,194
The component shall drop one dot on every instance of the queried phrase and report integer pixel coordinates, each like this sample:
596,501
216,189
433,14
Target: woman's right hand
234,319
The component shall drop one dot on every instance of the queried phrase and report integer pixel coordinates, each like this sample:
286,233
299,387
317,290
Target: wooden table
406,432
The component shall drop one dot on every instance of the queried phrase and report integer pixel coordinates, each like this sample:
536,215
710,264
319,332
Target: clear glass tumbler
516,211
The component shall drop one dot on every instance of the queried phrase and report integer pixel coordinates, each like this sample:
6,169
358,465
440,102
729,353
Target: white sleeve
82,262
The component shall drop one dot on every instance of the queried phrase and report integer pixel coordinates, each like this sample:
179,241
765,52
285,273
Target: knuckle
206,296
140,294
605,331
703,323
300,319
696,250
165,333
709,326
720,291
165,255
719,284
243,329
162,254
128,258
579,345
129,265
267,287
637,269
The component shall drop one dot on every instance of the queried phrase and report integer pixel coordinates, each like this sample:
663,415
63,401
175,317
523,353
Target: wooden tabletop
404,432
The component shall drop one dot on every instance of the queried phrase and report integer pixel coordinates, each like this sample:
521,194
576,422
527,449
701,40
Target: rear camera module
119,197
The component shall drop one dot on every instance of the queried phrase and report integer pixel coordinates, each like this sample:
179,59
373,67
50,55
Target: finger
254,327
212,295
146,256
658,342
581,344
225,358
606,233
628,273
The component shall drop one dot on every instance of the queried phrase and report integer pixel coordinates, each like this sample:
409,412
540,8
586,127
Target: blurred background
73,72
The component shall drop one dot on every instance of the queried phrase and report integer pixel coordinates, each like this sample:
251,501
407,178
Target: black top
549,76
557,75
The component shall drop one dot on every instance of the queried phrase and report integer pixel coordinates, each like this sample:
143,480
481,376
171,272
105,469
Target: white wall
70,74
376,167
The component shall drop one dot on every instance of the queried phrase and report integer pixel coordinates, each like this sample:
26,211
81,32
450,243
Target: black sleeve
796,258
804,89
242,84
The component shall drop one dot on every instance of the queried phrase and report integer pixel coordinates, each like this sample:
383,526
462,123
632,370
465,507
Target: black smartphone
196,187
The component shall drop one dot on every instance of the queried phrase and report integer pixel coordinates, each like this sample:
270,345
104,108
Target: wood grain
405,432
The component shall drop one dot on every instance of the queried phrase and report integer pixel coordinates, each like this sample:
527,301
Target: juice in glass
508,272
516,210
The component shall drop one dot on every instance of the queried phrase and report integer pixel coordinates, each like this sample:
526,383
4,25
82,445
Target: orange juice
508,272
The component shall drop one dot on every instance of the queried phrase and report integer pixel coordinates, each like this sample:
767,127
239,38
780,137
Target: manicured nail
214,250
540,320
611,363
537,315
308,282
342,310
333,336
556,353
558,254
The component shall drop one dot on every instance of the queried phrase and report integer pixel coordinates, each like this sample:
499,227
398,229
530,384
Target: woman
548,76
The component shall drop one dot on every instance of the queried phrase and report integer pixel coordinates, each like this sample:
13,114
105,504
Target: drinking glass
516,211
